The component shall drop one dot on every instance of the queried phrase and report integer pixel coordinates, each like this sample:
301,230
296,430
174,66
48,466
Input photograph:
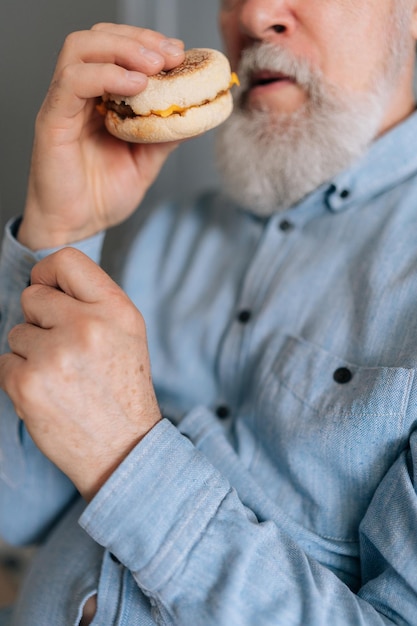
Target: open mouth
261,85
265,78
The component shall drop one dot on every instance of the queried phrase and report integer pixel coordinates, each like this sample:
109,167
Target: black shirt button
285,226
223,412
342,375
244,316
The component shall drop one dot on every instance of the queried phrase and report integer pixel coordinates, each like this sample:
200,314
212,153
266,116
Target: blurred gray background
30,40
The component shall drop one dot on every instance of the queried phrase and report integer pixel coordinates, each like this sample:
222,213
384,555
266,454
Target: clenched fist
78,373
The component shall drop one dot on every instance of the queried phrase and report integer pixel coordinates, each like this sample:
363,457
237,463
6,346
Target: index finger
75,274
128,46
169,47
94,62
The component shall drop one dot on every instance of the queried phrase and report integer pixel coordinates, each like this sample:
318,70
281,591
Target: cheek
357,42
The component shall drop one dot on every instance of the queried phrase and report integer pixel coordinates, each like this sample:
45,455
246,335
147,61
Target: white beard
268,161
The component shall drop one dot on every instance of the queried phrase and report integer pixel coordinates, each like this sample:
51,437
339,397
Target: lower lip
260,94
275,85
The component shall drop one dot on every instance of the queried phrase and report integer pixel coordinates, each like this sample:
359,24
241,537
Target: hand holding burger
83,180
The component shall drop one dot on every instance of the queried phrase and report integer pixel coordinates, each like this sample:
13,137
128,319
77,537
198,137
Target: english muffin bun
180,103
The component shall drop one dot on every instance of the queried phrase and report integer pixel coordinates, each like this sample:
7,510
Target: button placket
272,248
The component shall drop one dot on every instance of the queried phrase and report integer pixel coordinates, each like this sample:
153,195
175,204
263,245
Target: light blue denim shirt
279,489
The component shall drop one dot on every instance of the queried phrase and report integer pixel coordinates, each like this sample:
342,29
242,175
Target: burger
176,104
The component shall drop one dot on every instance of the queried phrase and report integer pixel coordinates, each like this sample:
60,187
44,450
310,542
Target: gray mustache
272,58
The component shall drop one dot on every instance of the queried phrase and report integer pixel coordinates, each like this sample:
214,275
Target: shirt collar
390,159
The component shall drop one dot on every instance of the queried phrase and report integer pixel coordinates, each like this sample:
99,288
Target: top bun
201,77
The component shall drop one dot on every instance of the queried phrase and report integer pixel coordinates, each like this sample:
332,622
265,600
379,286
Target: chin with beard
269,161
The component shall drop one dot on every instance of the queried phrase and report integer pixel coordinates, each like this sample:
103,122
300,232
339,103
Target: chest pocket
329,431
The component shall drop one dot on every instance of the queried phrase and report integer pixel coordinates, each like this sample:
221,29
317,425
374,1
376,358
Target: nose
267,20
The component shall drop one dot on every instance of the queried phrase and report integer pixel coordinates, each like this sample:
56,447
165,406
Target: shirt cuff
165,472
14,253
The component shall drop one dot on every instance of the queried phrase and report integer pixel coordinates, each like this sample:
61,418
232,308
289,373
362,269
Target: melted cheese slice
167,112
234,80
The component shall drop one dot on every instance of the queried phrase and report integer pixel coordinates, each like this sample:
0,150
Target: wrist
90,482
36,234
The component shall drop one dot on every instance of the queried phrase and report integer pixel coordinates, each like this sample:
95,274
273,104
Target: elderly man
263,471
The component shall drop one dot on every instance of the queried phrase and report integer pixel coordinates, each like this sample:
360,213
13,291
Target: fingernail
172,47
152,57
136,77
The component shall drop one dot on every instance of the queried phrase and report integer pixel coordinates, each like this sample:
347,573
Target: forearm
205,558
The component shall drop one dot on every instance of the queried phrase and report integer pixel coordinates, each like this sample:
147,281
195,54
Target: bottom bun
155,129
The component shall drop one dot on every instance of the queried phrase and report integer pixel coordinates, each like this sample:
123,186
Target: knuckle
152,38
123,308
133,319
31,294
66,74
70,254
91,337
13,333
151,34
24,388
66,258
94,333
101,26
147,32
66,254
60,369
72,41
61,363
123,313
25,297
28,293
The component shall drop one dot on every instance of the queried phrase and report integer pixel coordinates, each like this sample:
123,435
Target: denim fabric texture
280,487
